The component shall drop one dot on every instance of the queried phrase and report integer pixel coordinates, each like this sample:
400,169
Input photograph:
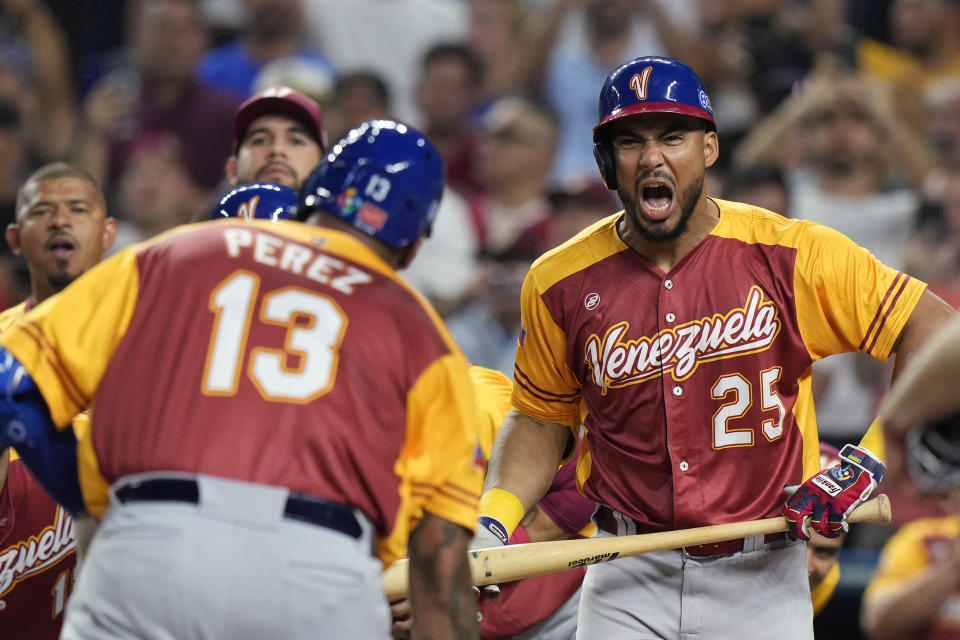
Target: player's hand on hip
827,497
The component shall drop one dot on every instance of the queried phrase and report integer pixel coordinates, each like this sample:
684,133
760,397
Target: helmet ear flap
603,153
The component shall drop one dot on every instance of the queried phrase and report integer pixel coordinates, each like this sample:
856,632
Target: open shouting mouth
656,198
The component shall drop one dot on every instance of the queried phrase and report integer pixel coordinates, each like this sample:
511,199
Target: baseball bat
518,561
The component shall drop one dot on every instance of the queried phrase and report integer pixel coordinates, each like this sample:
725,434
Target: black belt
300,506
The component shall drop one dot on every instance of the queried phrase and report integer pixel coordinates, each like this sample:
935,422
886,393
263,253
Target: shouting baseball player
274,409
62,230
686,326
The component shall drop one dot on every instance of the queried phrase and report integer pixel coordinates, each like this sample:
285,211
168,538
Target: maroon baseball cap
284,101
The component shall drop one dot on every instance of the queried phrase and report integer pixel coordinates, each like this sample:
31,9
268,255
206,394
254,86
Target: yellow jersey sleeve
66,342
846,299
544,387
81,422
9,316
438,467
492,392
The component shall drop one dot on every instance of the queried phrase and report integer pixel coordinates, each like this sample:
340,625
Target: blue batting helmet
646,85
261,200
384,178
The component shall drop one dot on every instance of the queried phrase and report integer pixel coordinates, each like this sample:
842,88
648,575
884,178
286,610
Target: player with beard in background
61,230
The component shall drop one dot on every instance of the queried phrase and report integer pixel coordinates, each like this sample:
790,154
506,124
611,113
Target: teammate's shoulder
9,316
932,527
488,377
591,245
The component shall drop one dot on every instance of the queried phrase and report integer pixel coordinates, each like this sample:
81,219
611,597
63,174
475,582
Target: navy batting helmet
384,178
933,455
646,85
261,200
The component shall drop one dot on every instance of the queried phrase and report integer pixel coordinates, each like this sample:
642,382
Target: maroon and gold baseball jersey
286,355
37,544
696,382
37,559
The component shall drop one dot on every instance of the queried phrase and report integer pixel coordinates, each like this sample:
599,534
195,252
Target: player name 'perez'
279,252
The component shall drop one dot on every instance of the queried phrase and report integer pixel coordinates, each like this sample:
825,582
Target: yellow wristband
502,506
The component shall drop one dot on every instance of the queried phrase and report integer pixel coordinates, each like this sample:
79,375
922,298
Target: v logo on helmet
248,209
639,83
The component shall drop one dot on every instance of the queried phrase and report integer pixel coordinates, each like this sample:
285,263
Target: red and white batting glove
830,495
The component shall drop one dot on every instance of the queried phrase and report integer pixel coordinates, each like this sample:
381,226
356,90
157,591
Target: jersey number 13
315,327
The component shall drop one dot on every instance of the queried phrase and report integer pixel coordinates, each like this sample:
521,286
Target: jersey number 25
738,393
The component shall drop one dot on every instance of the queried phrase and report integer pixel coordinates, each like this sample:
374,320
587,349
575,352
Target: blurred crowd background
842,111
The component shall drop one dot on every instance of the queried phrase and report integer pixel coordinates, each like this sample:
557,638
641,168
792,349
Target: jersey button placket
683,465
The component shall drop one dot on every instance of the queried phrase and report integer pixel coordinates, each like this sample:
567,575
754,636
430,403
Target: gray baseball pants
761,592
231,566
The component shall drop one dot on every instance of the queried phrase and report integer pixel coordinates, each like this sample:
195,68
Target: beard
292,173
658,232
60,281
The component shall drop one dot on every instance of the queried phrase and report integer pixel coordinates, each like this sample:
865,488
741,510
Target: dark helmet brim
654,107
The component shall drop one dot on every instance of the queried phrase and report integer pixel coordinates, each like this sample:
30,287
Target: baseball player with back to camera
294,464
542,607
61,229
686,326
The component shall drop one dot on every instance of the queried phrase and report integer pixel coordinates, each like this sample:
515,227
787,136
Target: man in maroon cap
278,137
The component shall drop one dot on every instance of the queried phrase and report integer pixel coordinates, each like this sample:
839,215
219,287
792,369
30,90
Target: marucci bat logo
603,557
616,361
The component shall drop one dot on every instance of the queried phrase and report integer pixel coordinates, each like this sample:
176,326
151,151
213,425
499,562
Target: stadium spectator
388,37
448,93
512,213
357,96
155,191
158,92
273,31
